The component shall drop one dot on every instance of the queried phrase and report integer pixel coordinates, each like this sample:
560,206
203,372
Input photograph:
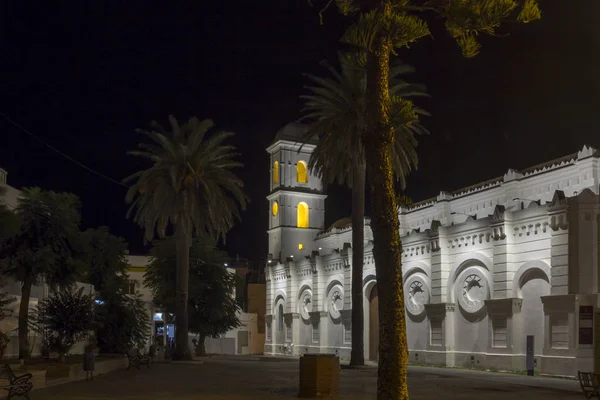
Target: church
485,268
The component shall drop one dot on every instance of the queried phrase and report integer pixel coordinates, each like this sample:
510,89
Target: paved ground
247,378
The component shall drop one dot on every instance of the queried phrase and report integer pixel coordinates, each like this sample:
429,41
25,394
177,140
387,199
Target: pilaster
440,266
441,329
505,333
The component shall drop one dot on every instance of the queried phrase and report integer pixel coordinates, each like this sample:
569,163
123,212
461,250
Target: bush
64,318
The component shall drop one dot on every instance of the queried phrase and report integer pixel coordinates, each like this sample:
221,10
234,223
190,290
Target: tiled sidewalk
230,378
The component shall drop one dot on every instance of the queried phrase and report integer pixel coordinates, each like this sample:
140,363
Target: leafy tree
5,311
106,257
337,107
123,321
381,27
66,317
123,324
191,188
45,248
211,306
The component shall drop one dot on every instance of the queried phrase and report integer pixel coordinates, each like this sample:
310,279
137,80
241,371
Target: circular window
472,289
336,301
305,304
417,294
275,208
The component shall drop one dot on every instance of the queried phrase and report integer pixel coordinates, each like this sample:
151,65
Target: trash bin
319,376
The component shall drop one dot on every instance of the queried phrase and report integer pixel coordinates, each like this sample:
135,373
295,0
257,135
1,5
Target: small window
276,172
280,318
131,287
275,208
301,172
302,215
300,246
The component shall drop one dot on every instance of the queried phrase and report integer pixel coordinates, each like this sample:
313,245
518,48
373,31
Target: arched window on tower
301,172
302,215
276,172
280,317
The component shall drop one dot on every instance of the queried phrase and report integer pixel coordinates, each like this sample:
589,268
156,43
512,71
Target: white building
483,267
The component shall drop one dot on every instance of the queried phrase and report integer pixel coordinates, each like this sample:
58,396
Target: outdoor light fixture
269,262
226,265
320,248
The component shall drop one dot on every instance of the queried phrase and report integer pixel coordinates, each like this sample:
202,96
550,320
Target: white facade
483,268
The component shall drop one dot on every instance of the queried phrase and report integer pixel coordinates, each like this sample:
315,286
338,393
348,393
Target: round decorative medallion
416,294
336,301
472,290
305,305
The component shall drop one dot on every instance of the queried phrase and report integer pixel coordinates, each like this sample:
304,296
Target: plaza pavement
247,378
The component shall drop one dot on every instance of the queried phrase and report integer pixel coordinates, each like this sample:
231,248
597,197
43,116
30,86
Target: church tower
296,199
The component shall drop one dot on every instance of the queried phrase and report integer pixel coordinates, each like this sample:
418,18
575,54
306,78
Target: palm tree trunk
359,171
393,352
24,319
183,237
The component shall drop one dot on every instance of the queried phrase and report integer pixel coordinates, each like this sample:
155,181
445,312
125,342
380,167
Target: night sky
83,75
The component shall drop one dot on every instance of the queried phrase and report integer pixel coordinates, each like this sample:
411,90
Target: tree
5,301
191,188
381,27
337,107
45,248
123,321
106,258
66,317
211,305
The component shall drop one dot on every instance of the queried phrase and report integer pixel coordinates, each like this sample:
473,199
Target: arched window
275,208
280,318
275,172
302,215
301,172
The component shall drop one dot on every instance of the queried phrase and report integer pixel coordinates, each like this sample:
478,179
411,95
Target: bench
589,384
136,359
18,385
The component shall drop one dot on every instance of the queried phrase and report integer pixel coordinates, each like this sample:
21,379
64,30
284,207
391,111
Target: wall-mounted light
227,265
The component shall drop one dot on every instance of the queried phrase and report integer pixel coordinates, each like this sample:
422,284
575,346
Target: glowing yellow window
275,208
302,215
275,172
300,246
301,172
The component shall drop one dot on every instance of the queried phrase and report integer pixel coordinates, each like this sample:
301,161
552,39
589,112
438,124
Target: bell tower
296,199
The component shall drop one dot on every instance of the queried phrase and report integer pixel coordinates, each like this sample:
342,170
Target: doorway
374,324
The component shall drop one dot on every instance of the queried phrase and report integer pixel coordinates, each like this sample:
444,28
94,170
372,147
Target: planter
319,376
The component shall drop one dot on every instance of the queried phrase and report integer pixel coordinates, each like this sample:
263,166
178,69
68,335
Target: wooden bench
136,359
590,384
18,385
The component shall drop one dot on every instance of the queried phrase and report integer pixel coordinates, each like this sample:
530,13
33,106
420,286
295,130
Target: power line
19,126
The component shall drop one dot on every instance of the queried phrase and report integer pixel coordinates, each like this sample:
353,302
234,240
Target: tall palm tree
337,106
191,189
43,246
381,27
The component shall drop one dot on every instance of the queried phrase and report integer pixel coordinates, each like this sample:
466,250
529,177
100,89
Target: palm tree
42,248
337,107
191,189
381,27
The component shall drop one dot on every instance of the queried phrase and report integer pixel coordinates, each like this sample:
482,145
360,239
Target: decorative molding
439,310
503,307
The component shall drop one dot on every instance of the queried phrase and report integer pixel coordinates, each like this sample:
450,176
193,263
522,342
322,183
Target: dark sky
83,75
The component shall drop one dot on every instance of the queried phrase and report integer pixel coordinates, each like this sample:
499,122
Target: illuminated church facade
484,267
